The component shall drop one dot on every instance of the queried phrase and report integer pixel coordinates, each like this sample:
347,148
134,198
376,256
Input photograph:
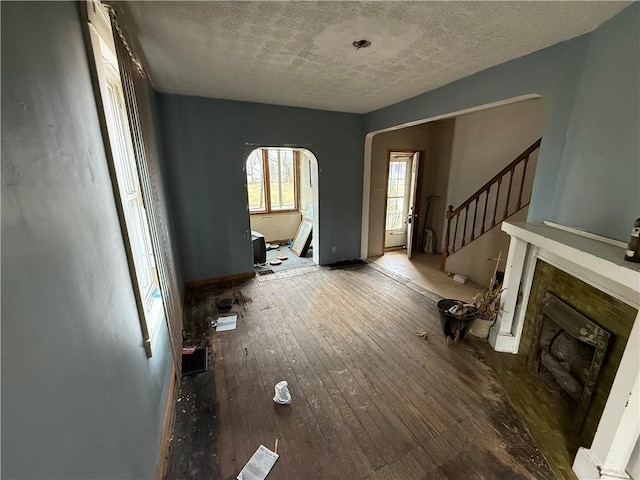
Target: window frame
266,182
128,182
107,82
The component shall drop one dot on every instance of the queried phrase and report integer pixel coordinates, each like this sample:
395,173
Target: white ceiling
301,54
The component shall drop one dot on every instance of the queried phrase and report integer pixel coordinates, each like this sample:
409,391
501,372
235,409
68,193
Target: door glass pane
396,195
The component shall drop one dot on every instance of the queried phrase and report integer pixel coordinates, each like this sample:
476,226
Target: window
129,185
125,176
272,180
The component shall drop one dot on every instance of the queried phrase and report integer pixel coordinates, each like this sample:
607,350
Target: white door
398,192
412,216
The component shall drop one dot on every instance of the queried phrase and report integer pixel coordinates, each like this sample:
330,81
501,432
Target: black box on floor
195,362
259,248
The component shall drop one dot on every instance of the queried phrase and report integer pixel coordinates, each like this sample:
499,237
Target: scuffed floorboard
370,398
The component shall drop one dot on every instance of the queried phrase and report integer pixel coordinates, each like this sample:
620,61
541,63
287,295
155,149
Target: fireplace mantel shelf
602,258
607,257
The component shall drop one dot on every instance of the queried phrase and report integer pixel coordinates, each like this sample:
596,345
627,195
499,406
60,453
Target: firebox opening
571,349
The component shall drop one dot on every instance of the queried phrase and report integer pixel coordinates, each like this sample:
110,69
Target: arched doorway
283,202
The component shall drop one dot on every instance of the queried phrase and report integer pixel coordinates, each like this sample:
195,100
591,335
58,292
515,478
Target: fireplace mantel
599,262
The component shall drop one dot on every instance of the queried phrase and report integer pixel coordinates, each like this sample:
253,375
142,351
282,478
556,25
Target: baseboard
502,342
167,424
228,278
282,243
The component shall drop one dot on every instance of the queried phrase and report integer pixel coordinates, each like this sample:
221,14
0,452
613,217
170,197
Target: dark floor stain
516,437
193,445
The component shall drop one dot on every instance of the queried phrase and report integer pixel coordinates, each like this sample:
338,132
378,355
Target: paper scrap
226,323
259,465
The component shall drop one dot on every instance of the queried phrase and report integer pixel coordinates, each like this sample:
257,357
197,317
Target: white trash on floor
259,465
282,396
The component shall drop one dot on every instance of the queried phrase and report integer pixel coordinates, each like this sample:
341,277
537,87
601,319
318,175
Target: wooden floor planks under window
370,398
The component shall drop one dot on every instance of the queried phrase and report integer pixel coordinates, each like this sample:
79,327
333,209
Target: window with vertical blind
128,160
129,187
272,180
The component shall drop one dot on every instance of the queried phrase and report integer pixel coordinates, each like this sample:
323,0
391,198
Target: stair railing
496,214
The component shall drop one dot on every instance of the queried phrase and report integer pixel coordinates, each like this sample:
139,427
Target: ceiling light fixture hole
361,44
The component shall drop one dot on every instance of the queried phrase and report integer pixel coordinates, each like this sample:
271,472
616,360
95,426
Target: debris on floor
224,304
224,324
259,465
424,334
283,397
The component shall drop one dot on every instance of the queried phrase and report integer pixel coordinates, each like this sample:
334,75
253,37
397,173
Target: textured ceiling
301,53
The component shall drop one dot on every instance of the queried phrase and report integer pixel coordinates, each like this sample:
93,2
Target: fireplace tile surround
597,262
614,315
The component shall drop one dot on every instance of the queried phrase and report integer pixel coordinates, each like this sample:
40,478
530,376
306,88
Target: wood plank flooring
547,415
371,400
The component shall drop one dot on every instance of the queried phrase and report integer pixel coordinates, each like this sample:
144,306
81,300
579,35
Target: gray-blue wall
206,144
79,397
590,83
169,220
599,183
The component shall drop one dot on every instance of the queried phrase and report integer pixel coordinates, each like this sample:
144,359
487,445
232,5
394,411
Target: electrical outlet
333,249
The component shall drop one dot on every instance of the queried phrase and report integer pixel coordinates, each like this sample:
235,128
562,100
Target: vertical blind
147,160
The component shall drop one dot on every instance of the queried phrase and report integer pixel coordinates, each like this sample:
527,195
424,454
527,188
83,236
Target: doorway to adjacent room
282,194
400,208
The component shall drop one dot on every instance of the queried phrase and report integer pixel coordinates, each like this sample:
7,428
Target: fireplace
597,262
569,351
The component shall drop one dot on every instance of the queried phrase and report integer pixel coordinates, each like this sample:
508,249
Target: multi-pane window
272,180
129,186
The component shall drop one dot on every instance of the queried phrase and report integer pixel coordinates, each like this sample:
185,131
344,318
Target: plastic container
452,324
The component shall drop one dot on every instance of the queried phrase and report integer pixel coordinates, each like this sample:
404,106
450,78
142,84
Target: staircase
495,201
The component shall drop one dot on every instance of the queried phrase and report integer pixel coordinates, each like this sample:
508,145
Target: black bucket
451,324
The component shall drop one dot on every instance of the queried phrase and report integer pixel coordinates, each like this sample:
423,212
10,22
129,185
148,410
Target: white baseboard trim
502,342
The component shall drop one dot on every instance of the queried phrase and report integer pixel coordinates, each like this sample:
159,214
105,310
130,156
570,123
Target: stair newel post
445,251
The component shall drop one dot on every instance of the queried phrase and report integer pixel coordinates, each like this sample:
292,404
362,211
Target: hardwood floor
370,398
